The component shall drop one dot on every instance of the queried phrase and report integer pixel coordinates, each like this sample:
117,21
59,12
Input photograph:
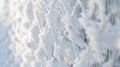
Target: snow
59,33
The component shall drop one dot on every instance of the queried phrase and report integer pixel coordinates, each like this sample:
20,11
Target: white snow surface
59,33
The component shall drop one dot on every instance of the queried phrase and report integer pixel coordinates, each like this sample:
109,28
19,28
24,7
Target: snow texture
59,33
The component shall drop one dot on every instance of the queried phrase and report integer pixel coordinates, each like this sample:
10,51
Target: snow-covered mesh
59,33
